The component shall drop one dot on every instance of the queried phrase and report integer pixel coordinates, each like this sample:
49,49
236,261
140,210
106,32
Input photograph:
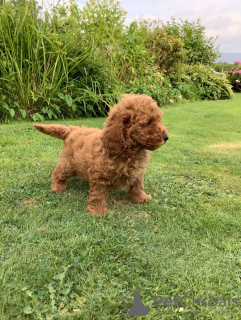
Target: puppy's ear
115,134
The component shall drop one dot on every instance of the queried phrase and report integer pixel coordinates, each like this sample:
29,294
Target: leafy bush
223,67
206,84
157,86
165,45
167,48
197,47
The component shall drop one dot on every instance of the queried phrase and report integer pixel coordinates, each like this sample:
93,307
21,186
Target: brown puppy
114,157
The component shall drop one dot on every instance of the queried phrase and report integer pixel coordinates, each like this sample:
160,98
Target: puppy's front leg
97,201
136,192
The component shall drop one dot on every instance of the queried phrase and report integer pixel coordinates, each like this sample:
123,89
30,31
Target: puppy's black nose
165,137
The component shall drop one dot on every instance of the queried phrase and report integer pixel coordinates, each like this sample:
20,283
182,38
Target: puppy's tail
54,130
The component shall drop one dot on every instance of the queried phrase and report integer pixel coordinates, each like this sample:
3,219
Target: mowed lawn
58,262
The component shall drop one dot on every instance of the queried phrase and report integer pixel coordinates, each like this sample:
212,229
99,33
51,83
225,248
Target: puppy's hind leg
136,192
60,176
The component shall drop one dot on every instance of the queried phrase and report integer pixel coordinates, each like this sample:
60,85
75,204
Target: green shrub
206,84
197,47
157,86
167,48
179,82
223,67
147,62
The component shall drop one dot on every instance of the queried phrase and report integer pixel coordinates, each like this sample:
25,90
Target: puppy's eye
148,123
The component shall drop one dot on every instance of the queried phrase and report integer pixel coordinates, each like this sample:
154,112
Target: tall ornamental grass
44,68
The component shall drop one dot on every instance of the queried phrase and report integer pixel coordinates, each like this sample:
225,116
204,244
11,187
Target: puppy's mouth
152,143
155,146
152,148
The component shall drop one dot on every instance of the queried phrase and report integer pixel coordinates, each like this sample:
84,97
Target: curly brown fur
114,157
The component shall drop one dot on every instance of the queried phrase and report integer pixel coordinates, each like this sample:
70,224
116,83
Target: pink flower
239,71
238,62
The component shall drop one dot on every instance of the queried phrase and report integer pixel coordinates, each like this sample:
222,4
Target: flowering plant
234,76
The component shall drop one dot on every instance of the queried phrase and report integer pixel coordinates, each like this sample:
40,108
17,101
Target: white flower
237,80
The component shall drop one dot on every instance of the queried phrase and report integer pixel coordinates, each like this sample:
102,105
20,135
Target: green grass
58,262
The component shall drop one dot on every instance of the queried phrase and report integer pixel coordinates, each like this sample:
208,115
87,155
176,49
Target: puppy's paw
140,198
96,211
58,187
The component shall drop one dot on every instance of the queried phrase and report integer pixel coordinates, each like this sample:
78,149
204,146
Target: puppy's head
134,123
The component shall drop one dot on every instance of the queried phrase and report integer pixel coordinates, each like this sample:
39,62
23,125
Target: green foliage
158,87
170,81
197,47
233,72
43,58
168,49
101,23
69,62
147,63
206,84
223,67
134,56
101,27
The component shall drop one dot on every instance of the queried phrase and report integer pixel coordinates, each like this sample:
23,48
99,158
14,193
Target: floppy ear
115,134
